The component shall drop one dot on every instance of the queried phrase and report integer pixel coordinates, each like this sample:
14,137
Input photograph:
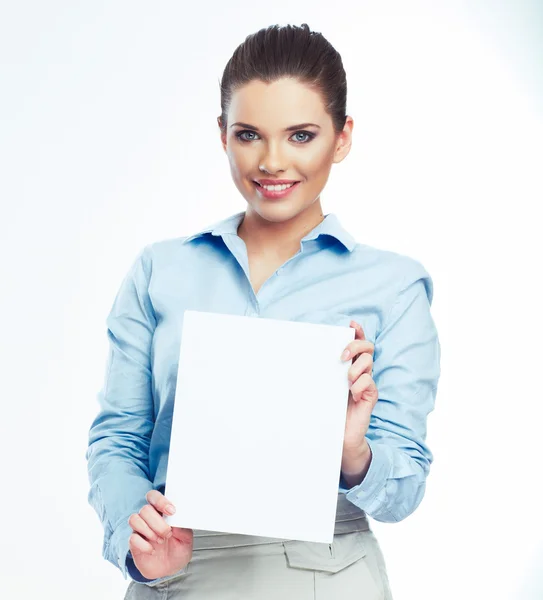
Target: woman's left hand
363,394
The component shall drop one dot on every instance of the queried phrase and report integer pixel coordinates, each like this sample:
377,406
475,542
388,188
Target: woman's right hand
158,550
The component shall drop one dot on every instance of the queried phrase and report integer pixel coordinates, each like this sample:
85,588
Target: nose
272,161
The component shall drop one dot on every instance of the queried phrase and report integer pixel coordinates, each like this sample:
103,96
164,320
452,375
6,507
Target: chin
276,212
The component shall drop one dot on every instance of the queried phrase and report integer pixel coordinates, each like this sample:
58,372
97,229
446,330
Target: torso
261,271
262,268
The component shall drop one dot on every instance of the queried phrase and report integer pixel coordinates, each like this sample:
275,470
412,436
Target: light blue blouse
331,279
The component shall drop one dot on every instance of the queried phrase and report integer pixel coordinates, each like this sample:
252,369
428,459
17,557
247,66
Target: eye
308,137
300,137
242,135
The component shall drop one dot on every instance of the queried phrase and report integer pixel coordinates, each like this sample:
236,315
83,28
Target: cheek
242,160
315,162
237,160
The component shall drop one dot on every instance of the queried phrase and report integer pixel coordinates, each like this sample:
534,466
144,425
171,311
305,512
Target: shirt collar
330,225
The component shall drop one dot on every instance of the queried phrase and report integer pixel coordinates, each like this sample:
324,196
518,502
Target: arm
388,482
119,437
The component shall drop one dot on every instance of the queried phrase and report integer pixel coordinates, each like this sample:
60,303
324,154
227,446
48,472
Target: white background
108,141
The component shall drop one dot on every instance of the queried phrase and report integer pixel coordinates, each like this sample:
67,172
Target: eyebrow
291,128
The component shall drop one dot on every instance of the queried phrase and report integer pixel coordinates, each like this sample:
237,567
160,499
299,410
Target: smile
275,191
277,188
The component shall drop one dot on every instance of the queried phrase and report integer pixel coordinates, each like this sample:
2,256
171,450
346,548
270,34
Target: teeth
277,188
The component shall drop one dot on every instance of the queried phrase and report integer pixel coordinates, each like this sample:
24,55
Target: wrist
133,570
355,464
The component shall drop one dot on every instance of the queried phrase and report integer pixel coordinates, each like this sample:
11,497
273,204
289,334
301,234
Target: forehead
280,103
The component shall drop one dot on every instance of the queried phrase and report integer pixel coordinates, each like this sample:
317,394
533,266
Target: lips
263,182
273,194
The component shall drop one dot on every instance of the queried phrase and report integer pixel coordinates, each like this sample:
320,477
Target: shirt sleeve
406,371
119,437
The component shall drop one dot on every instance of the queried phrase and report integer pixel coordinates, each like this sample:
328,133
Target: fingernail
345,355
170,509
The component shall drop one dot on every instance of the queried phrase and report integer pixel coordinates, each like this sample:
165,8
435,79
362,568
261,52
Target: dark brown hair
288,51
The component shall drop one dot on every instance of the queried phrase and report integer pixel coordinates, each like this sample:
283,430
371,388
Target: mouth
277,189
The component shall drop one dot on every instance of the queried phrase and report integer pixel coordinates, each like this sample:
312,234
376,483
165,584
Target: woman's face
283,128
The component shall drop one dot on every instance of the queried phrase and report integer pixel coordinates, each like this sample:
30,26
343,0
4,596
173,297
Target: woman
283,125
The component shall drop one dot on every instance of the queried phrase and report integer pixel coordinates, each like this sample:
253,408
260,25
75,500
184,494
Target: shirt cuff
366,495
118,546
120,553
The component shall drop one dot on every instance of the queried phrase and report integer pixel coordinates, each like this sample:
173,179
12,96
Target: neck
280,239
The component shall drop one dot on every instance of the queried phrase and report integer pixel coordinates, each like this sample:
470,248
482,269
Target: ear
344,141
222,133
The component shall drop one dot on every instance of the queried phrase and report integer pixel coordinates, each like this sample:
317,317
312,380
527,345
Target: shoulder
166,246
396,270
163,249
173,247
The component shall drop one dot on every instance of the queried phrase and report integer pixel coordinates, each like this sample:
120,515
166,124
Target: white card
258,426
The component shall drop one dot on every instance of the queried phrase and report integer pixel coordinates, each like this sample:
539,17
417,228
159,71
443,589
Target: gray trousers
237,567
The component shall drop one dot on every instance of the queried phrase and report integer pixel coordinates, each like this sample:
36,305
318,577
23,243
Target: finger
138,545
160,502
359,332
155,521
364,388
140,526
183,534
357,347
363,364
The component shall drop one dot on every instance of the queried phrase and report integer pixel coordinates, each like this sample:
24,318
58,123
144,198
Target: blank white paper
258,426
